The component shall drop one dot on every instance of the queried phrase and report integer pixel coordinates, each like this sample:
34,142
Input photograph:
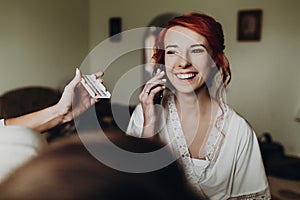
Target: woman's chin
187,91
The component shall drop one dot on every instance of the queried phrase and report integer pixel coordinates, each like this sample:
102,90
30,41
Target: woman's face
187,59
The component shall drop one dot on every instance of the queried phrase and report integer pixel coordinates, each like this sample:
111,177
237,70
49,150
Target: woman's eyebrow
194,45
198,45
170,46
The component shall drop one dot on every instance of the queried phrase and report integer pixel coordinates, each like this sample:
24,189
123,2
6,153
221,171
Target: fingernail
164,80
77,71
162,72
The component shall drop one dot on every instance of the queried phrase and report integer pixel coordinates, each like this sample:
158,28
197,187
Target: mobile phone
158,97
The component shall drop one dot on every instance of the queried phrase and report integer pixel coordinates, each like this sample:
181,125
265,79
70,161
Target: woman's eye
197,50
171,52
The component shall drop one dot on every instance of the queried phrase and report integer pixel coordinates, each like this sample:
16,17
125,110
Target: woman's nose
184,60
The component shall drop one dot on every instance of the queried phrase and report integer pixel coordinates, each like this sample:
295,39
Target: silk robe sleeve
135,126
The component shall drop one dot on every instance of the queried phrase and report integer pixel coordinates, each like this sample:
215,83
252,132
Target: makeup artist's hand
75,99
152,87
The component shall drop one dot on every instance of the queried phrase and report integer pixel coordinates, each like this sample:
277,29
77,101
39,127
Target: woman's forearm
40,120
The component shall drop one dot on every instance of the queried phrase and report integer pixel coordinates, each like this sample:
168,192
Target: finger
94,100
144,96
148,96
158,71
157,76
99,74
151,85
155,90
76,79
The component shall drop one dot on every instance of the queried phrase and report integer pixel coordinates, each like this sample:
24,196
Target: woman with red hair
217,148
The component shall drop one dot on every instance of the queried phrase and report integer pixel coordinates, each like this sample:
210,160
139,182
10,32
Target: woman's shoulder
236,118
239,124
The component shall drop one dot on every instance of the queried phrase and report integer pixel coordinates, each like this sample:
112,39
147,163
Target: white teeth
185,76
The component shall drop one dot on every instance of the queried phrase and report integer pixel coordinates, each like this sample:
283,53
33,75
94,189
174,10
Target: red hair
211,30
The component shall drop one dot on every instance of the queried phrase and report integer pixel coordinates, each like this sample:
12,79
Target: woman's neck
198,102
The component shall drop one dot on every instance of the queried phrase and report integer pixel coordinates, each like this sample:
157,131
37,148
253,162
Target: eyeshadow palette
94,87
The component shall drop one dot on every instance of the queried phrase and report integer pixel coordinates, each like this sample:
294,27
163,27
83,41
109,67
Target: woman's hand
75,99
152,87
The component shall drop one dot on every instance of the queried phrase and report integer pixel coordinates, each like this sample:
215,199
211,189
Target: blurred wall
41,41
265,85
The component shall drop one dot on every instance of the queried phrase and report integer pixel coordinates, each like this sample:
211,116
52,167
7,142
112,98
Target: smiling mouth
185,76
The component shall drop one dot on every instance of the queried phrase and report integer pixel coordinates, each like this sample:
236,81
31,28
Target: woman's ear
219,60
213,62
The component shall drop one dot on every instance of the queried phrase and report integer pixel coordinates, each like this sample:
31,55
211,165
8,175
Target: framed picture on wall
249,25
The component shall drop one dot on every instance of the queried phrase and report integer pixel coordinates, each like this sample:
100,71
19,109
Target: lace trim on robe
257,196
195,174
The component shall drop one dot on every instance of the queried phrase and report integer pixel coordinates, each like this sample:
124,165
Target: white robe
17,146
233,168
